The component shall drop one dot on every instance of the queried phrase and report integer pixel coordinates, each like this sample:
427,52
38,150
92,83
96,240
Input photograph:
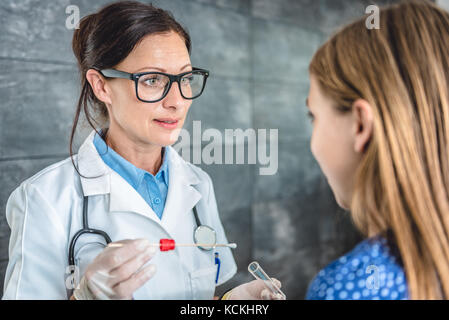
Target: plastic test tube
256,270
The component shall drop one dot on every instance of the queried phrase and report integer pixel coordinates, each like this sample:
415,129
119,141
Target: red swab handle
167,244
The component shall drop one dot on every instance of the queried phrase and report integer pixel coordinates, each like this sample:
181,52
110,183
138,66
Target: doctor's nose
174,98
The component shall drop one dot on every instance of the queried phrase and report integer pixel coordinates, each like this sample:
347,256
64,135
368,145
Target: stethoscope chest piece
205,235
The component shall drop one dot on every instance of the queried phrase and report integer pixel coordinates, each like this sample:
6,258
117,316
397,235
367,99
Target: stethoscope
202,234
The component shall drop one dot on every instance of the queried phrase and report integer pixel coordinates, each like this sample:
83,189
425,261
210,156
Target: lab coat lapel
95,177
100,179
124,198
182,196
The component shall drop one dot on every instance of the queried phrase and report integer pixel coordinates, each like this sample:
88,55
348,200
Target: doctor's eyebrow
160,69
307,102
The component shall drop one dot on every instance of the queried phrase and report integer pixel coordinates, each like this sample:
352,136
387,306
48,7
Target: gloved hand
117,271
254,290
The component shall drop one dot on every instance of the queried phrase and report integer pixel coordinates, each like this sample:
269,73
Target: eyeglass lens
153,87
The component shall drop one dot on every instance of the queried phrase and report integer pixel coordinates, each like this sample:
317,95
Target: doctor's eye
187,80
154,81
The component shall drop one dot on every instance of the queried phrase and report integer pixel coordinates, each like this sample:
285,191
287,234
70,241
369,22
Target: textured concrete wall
258,52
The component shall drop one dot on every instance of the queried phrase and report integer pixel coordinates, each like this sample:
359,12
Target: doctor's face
332,144
157,123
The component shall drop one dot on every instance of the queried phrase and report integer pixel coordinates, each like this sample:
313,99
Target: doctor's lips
168,123
169,244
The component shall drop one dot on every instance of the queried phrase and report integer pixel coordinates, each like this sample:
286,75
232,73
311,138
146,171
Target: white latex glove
254,290
117,271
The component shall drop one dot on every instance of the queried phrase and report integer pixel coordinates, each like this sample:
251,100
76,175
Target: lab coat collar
127,170
94,173
100,179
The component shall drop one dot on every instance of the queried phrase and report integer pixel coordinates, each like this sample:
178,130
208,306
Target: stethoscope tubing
87,230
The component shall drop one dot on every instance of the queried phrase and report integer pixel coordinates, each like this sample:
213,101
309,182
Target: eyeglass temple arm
203,70
111,73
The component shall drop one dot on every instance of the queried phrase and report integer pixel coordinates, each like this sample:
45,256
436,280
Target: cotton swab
169,244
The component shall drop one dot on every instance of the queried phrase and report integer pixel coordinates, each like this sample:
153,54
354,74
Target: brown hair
105,38
402,70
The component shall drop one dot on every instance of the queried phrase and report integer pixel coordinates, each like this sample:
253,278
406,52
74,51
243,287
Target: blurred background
258,53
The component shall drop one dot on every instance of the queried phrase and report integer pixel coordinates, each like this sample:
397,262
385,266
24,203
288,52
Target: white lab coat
45,211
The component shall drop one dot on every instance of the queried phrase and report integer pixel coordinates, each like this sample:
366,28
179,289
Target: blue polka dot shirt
371,271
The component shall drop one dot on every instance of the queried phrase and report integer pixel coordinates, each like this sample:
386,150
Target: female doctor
126,185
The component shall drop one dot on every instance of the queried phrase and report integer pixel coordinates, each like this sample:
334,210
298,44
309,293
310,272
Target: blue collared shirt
153,189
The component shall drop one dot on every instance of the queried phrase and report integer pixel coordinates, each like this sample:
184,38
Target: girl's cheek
313,143
316,144
323,150
318,150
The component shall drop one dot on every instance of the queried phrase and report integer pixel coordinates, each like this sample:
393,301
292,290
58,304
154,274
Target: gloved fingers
265,294
113,256
247,291
255,290
278,297
128,268
255,287
277,282
258,287
259,290
126,288
97,285
98,280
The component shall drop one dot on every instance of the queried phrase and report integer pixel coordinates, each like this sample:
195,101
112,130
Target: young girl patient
379,104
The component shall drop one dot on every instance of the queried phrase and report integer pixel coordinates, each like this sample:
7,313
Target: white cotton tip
232,245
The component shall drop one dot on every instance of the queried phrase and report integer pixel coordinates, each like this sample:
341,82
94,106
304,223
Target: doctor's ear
99,86
362,125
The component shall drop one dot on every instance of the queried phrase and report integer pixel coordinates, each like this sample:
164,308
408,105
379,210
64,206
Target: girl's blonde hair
402,70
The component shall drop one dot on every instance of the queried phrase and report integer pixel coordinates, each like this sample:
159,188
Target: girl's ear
99,86
363,124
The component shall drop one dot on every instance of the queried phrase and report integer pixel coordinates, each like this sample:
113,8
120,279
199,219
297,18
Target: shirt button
157,201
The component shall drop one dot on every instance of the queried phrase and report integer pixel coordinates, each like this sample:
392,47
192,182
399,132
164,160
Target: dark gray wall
258,53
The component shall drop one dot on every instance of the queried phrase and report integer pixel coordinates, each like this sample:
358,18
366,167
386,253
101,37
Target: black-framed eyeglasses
154,86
